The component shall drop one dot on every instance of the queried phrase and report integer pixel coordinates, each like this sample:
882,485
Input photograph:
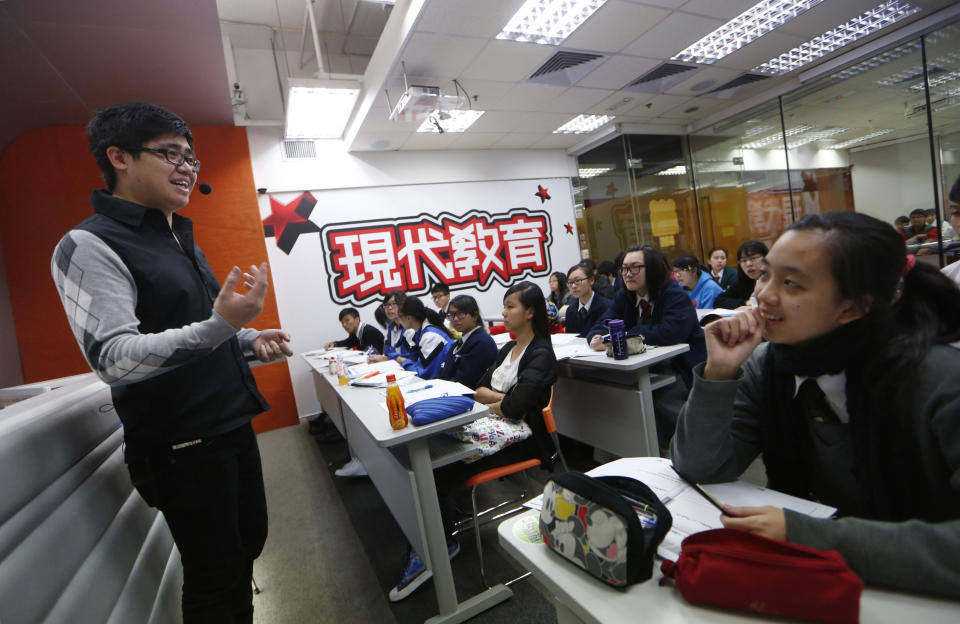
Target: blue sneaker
415,573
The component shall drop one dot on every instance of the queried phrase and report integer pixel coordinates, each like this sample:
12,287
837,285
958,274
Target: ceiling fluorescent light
319,109
865,137
810,137
450,121
592,171
675,170
865,24
583,124
548,21
776,138
749,26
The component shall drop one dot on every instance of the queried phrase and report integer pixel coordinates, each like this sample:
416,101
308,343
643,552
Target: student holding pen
431,340
474,351
397,341
853,401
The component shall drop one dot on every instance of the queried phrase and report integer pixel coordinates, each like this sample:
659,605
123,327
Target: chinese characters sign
369,258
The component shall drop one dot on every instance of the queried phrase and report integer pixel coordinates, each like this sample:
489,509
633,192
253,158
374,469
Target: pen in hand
696,487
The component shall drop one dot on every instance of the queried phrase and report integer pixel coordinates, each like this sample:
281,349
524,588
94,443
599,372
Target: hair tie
911,262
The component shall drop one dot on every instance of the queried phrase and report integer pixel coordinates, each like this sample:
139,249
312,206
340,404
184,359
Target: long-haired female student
589,306
517,387
854,401
396,341
474,351
431,340
749,258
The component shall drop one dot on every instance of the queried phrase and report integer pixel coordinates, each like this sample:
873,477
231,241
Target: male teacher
155,325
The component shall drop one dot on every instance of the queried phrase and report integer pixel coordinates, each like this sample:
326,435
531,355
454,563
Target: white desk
615,417
578,597
400,464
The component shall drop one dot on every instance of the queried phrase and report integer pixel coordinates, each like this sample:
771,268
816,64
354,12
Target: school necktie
814,402
644,309
458,345
583,313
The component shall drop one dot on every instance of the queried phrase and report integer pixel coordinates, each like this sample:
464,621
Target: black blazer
370,336
536,375
598,310
473,359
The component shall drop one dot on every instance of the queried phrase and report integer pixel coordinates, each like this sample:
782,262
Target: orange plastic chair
504,471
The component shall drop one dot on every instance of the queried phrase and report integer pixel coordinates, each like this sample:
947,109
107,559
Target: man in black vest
154,324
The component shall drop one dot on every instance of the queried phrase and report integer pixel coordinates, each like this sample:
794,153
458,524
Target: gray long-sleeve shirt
719,435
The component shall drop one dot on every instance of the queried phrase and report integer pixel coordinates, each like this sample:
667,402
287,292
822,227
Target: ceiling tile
379,141
706,79
508,60
672,35
486,93
557,141
541,122
430,140
576,100
473,140
483,18
669,4
660,104
618,71
529,97
726,10
496,121
440,55
614,26
618,104
516,140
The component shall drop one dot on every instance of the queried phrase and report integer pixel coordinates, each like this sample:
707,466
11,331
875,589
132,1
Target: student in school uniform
431,340
700,287
651,304
359,335
474,351
440,293
396,343
852,401
749,258
723,275
516,387
589,306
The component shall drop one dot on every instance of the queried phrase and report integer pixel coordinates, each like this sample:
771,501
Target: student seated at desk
589,306
516,387
654,305
698,284
359,335
397,341
474,351
749,256
853,401
431,340
723,275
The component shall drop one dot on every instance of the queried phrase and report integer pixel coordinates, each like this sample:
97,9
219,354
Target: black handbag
609,526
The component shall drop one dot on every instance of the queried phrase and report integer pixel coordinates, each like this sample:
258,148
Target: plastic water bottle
618,339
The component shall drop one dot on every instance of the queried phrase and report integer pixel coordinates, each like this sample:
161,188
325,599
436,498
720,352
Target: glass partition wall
860,139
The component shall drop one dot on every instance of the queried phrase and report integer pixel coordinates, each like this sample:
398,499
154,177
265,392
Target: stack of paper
691,512
420,390
380,379
362,370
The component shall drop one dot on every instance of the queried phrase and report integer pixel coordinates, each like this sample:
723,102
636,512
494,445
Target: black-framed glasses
630,269
751,259
172,156
577,282
456,316
392,304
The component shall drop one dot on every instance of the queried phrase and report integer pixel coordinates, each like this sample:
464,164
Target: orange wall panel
47,176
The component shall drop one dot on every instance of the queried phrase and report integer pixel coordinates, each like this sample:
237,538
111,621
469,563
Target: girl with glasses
589,307
749,258
398,340
852,401
431,340
474,351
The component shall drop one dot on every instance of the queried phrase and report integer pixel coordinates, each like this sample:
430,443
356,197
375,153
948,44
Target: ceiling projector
419,102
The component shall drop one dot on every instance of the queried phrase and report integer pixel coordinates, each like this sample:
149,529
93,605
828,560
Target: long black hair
743,287
562,290
412,306
468,305
531,297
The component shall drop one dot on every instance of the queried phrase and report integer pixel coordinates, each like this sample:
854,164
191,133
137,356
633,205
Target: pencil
699,490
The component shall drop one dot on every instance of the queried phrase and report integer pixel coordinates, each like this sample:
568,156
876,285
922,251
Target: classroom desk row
581,599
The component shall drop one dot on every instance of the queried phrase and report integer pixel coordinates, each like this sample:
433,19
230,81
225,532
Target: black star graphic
542,194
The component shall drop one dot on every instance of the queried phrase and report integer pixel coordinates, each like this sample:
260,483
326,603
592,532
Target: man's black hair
440,287
129,126
348,312
607,268
902,219
918,211
687,261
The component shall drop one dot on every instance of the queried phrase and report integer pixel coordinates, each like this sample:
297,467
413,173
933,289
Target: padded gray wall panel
135,603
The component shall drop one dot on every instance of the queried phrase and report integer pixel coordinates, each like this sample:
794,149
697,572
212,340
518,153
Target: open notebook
691,512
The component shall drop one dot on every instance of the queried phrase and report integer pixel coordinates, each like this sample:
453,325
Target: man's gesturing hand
239,309
271,344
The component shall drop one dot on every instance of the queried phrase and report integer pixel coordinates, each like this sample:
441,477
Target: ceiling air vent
566,67
729,89
299,149
662,77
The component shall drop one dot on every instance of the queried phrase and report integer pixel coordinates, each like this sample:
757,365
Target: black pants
212,497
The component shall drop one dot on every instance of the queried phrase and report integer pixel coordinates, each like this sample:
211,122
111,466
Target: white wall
354,187
893,180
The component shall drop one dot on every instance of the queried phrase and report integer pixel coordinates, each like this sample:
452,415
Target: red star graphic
282,215
542,194
611,189
569,228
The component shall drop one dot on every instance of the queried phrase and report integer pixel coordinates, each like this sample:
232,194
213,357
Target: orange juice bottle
398,412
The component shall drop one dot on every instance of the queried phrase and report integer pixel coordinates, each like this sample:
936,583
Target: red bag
740,570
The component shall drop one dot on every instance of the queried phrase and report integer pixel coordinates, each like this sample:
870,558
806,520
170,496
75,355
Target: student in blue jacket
474,351
431,341
396,341
590,306
700,287
651,304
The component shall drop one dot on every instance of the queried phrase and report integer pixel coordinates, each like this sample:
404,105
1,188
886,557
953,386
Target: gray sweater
719,435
